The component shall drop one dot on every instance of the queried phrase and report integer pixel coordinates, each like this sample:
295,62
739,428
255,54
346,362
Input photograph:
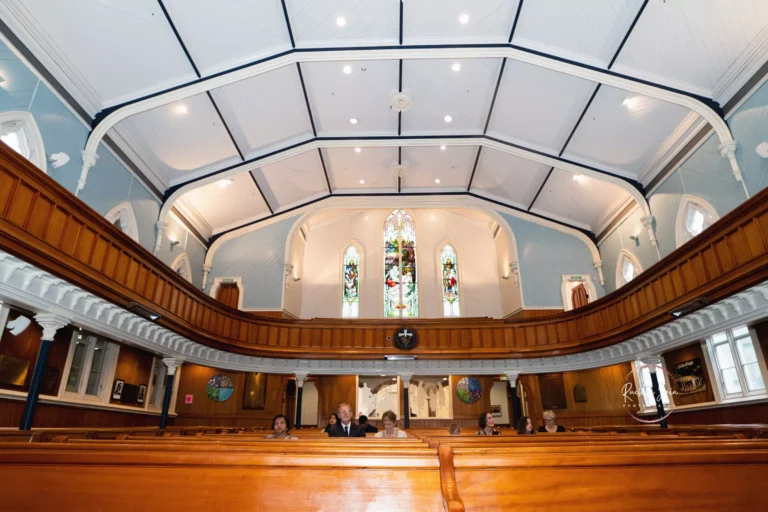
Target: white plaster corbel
599,267
161,227
51,323
301,378
728,150
90,157
206,271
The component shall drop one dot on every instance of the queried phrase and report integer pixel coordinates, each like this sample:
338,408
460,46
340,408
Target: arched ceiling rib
546,90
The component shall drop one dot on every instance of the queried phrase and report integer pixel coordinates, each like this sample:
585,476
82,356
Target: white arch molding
681,235
182,266
30,141
123,212
620,281
565,289
237,281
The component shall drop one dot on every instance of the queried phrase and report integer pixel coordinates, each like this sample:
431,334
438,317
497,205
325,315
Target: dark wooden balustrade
47,226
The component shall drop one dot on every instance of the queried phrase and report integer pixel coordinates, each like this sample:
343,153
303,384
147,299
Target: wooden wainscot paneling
231,412
71,416
44,224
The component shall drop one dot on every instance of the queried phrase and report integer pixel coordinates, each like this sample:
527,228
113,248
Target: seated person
524,426
454,429
388,420
362,422
486,423
345,427
550,423
280,427
332,420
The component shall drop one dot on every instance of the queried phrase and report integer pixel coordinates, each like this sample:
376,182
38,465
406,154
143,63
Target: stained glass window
350,300
401,298
450,274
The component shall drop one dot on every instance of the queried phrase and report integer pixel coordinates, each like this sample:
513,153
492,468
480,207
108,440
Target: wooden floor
611,468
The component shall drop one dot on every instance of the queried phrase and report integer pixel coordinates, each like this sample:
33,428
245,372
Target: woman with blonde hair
550,423
388,420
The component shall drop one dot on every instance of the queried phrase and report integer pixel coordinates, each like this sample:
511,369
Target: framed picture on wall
495,410
255,392
142,394
117,389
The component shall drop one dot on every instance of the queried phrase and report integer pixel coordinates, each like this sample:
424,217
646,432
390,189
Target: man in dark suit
345,428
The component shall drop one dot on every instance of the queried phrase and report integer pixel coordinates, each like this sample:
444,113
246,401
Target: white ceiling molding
406,53
26,286
190,213
372,202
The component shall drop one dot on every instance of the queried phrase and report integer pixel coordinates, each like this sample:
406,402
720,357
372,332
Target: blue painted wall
109,182
704,174
545,254
258,257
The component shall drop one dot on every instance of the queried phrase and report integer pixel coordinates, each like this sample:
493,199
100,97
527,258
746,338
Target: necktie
346,430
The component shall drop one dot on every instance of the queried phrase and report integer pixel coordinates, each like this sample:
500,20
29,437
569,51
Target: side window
19,131
122,217
627,268
694,216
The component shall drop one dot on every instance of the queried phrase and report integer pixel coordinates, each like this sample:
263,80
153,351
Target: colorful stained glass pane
450,270
350,301
469,390
219,388
400,283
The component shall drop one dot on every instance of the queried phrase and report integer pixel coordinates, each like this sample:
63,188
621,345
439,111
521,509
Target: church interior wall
109,183
545,255
472,240
294,288
258,257
704,174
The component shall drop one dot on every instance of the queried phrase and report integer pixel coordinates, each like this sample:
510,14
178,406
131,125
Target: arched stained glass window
350,299
401,298
449,266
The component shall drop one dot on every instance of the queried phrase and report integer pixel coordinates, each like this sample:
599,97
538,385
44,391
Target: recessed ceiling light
223,183
353,121
456,66
362,182
347,69
630,103
448,119
181,109
357,150
442,148
340,21
464,18
579,177
437,180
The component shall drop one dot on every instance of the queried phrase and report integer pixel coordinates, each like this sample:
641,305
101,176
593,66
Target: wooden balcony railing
47,226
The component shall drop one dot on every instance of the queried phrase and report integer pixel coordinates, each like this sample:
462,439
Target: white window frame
641,384
107,373
360,255
566,289
124,213
682,234
182,263
157,362
731,341
24,124
620,281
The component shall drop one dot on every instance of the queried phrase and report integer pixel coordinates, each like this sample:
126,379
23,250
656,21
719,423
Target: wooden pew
704,477
68,477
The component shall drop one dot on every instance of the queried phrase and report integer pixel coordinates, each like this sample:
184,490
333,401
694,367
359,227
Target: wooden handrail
44,224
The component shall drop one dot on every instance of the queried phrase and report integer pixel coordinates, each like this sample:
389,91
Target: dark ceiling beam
261,192
312,123
589,234
514,23
288,24
591,98
197,72
401,23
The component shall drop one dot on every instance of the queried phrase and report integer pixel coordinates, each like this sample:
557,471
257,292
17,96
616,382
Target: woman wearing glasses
550,423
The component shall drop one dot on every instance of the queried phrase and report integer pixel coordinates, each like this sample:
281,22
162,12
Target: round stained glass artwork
469,390
219,388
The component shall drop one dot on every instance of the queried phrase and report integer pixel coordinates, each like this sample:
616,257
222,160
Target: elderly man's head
345,413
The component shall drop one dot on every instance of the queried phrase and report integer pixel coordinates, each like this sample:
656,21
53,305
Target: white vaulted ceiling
300,130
